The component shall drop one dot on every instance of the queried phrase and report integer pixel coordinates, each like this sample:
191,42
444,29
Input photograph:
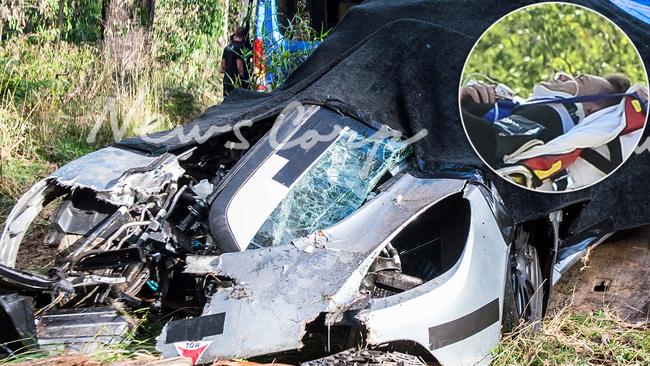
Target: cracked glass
334,187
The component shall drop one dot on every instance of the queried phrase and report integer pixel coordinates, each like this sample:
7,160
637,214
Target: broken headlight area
121,223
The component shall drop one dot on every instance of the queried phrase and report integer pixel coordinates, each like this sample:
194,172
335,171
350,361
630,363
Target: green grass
66,149
16,174
578,339
567,338
54,93
138,344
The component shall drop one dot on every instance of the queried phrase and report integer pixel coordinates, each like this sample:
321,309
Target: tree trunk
125,39
105,5
60,19
149,7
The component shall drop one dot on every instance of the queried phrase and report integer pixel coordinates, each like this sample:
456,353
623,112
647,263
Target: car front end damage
408,267
294,251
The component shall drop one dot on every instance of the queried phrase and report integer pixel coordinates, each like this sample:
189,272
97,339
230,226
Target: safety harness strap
581,99
601,162
504,107
547,166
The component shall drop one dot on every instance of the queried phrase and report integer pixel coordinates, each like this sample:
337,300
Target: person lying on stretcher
545,134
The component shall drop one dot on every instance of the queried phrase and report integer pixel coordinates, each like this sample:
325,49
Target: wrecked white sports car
309,245
342,218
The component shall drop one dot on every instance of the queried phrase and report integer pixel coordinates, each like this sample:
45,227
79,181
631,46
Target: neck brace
542,92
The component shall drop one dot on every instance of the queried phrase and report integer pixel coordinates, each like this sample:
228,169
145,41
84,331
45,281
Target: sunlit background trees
68,65
532,44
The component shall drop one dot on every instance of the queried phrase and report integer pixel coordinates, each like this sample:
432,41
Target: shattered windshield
335,186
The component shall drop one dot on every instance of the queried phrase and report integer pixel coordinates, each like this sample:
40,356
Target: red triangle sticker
192,350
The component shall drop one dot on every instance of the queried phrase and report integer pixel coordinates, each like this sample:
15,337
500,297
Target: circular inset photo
554,97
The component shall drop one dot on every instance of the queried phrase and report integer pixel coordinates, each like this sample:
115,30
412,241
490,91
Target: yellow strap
637,106
543,174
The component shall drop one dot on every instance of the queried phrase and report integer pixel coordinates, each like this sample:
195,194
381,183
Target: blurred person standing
233,63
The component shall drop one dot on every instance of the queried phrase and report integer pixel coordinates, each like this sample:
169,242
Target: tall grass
61,98
55,95
571,338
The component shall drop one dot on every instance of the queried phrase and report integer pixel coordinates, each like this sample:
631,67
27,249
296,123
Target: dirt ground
33,254
615,274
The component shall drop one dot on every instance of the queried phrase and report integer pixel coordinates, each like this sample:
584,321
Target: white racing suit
591,150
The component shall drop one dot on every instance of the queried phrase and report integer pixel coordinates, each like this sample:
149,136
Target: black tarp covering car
388,63
399,64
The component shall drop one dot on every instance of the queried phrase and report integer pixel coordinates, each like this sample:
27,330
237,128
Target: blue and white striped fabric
637,8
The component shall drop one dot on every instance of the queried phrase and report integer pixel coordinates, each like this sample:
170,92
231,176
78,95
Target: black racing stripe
456,330
615,152
320,126
195,329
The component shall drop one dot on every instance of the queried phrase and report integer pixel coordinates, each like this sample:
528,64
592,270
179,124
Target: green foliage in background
284,62
188,39
57,84
188,26
533,44
76,21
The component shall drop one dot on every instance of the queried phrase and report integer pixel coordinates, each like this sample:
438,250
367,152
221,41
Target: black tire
367,357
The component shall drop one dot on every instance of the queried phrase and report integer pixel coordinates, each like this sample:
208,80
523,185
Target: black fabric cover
399,63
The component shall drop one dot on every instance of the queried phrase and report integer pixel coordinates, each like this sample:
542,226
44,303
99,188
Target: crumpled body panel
118,175
279,290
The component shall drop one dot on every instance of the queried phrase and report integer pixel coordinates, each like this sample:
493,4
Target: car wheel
526,292
367,357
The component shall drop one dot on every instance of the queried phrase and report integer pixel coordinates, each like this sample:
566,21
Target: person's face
583,84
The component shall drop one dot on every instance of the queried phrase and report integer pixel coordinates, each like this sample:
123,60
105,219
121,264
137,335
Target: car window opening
426,248
335,186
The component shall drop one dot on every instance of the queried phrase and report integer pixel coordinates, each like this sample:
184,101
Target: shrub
531,45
